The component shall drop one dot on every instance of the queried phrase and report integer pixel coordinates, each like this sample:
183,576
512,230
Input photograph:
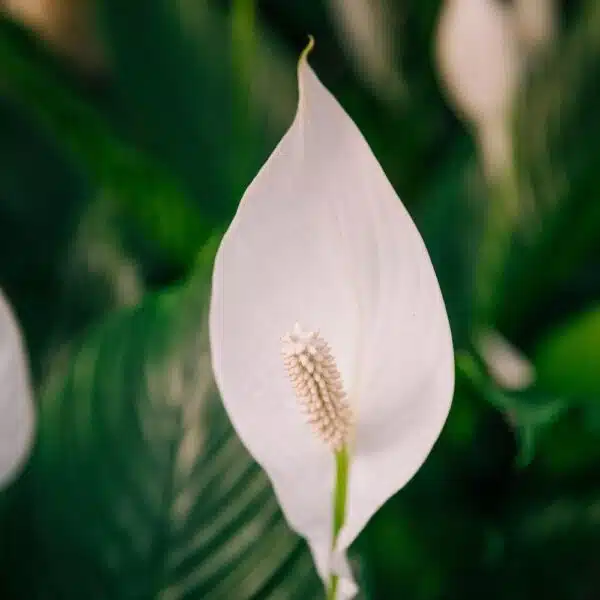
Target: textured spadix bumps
16,405
321,239
318,385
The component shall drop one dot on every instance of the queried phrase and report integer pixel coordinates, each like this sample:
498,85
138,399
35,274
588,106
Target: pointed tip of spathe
307,50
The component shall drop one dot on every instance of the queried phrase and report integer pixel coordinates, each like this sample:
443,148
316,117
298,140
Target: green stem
342,467
332,590
502,219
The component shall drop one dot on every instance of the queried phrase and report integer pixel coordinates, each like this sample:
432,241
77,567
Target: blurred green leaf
571,453
186,99
41,199
449,219
138,487
558,123
551,548
530,413
400,557
568,359
153,196
108,187
566,362
365,29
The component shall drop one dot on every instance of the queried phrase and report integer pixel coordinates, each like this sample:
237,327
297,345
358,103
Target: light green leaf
567,360
139,488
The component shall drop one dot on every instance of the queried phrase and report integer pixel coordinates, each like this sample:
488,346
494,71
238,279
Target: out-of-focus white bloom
16,404
66,24
325,302
509,367
536,22
480,65
366,28
36,13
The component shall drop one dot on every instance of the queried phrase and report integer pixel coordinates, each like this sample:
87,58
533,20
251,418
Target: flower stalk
342,472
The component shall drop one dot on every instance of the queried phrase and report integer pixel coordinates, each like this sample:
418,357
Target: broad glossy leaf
139,489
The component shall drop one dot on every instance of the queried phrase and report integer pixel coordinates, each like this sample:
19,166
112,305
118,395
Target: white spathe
509,367
478,57
321,239
366,27
480,65
16,404
536,22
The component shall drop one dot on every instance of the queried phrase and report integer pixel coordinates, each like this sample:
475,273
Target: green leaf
557,166
38,214
551,546
150,194
567,359
530,413
138,487
449,219
209,105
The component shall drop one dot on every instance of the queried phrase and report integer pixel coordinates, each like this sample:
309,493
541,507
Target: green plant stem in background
243,50
340,493
501,222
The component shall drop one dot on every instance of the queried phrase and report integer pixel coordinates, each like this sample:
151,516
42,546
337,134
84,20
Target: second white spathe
17,416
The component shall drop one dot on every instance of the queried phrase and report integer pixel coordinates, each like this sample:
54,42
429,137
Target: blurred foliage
138,474
117,179
566,360
557,173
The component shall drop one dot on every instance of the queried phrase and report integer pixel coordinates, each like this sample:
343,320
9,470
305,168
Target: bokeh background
128,132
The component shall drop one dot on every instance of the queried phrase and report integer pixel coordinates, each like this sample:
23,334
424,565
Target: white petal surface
321,238
16,406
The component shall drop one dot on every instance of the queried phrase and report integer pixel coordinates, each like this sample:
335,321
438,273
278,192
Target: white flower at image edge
16,404
328,328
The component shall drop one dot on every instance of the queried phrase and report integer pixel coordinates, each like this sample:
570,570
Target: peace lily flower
16,405
366,28
329,336
480,64
536,22
507,365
